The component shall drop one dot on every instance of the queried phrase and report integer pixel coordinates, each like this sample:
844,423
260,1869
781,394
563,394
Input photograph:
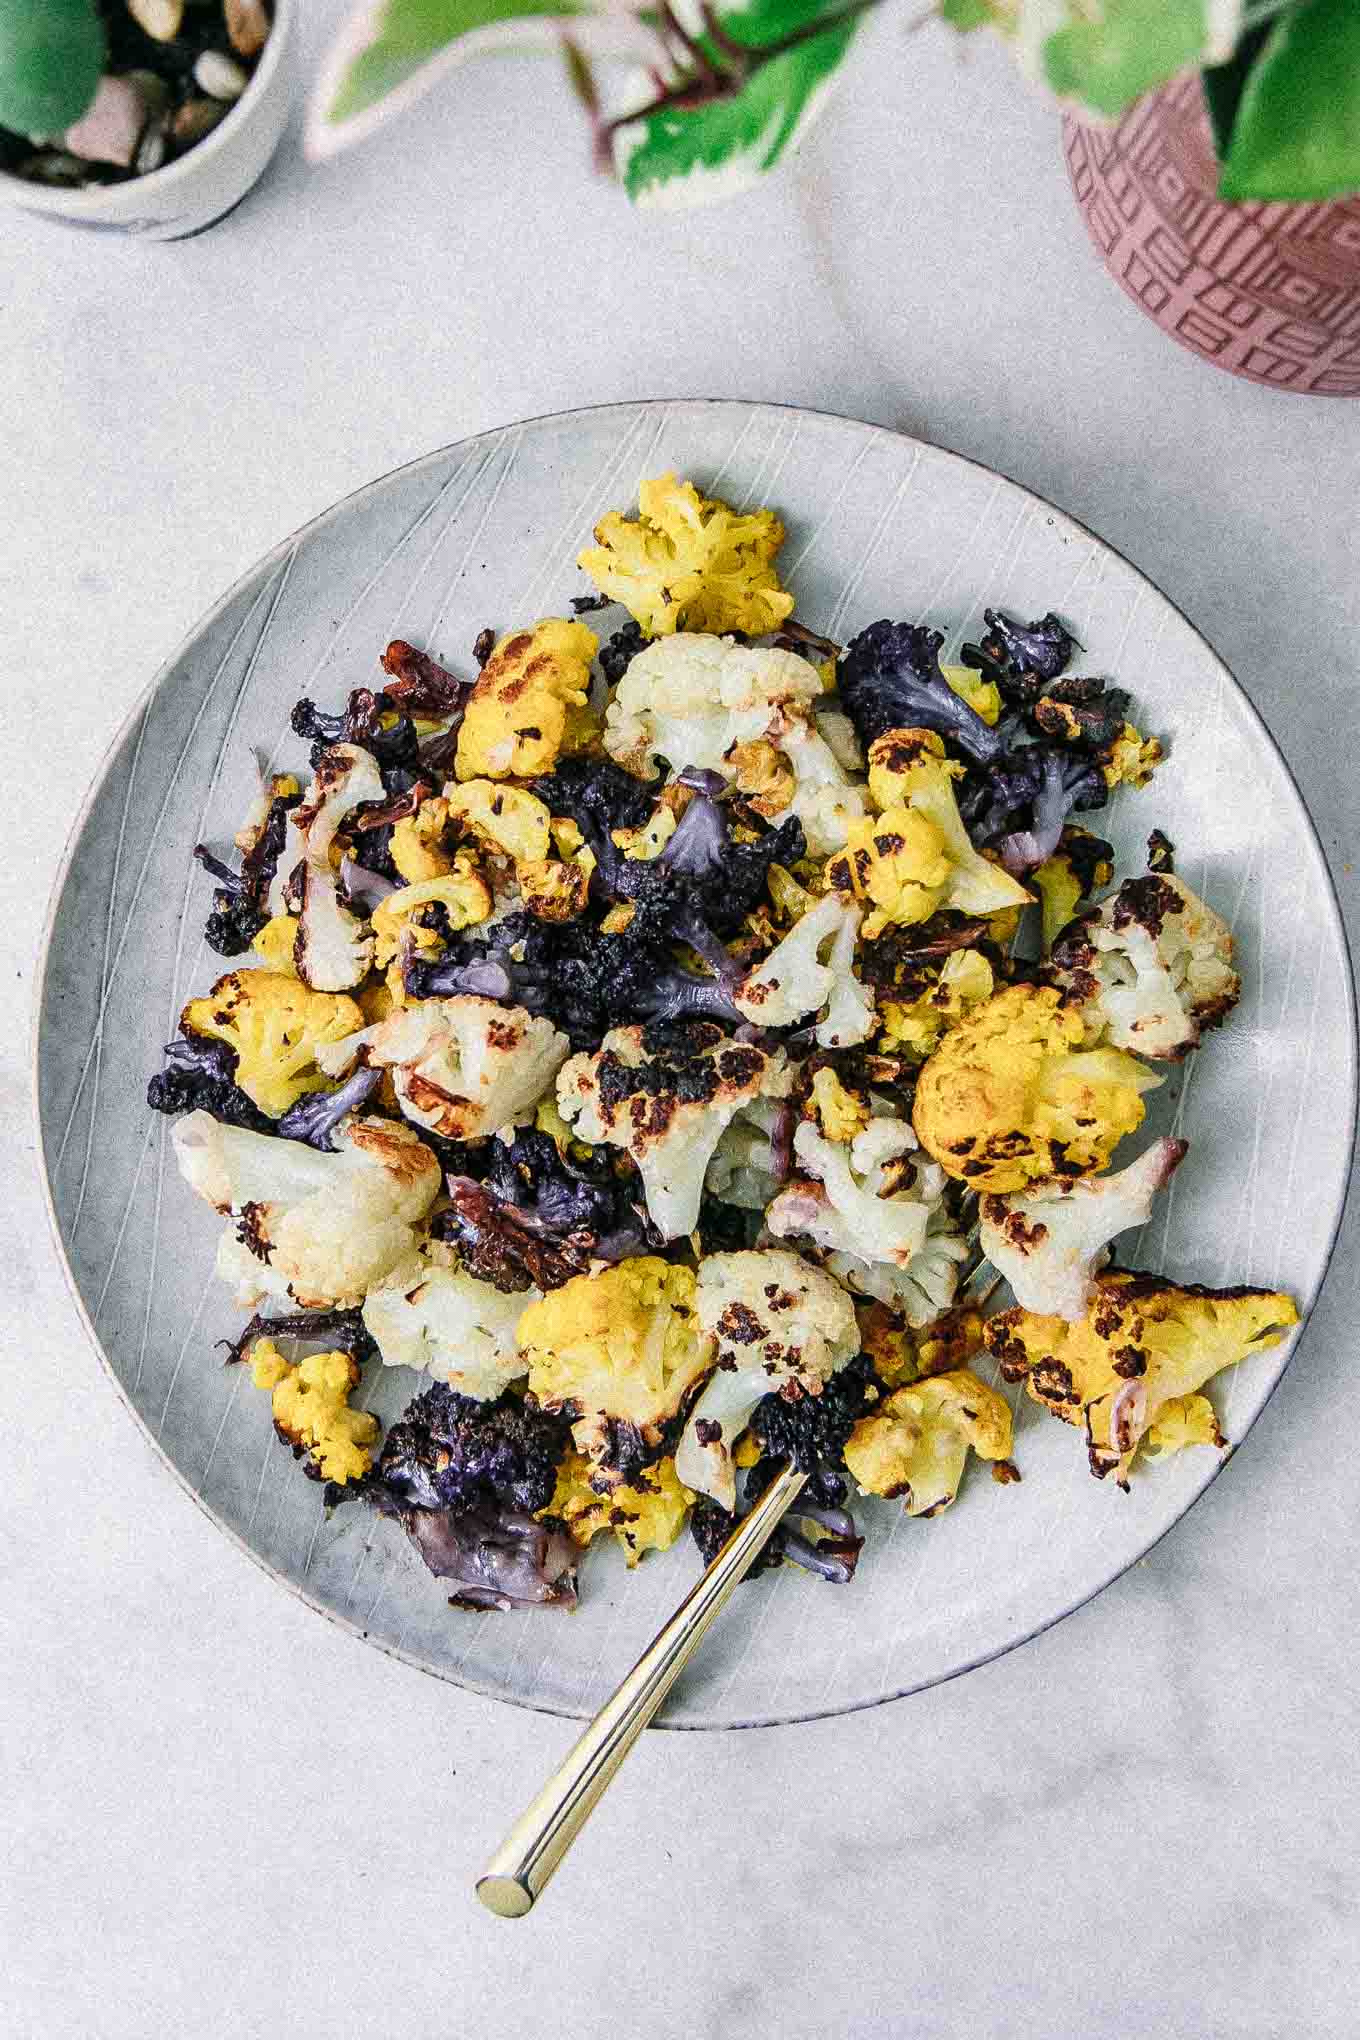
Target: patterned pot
1270,292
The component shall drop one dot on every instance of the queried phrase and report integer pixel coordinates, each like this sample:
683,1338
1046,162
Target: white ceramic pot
199,188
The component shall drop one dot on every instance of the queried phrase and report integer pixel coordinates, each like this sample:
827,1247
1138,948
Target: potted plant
692,99
152,116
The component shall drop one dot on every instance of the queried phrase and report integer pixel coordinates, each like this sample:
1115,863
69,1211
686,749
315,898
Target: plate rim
261,565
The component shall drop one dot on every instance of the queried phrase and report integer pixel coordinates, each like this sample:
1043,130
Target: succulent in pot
98,98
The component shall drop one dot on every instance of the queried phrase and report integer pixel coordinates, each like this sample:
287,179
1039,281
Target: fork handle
540,1838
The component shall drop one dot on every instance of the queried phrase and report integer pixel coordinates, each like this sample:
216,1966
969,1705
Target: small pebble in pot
151,89
151,150
247,25
195,119
108,132
161,19
221,77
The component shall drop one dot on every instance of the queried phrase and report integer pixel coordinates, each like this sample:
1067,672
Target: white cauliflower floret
850,1015
693,699
742,1171
334,949
436,1318
322,1228
667,1108
780,1324
791,982
1149,969
876,1210
1049,1240
463,1067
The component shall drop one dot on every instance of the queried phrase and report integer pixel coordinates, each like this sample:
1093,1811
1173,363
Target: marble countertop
225,1816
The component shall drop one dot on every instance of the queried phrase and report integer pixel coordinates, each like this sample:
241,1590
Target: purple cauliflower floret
889,678
240,904
1021,657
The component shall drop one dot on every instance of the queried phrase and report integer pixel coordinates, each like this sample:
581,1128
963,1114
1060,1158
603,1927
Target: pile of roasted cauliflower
646,1040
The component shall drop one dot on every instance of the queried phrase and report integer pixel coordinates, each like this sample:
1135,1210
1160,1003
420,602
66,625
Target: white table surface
226,1817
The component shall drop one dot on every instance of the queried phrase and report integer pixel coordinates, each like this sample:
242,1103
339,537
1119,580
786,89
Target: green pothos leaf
390,50
1109,56
687,155
1297,131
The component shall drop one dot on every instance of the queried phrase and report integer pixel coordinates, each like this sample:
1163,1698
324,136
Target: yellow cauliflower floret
791,897
908,770
1145,1348
276,1024
504,818
646,843
840,1114
965,980
982,696
311,1409
553,891
647,1514
899,865
1185,1420
1133,758
566,836
275,942
418,847
764,775
619,1347
462,892
902,1353
1077,868
530,702
916,1444
1008,1096
689,562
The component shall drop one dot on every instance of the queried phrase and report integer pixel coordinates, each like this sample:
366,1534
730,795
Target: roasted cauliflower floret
441,1321
619,1351
1185,1420
553,891
875,1210
704,702
319,1227
276,1026
690,562
505,819
666,1105
463,1067
419,848
954,989
1149,969
646,1514
792,983
530,703
1010,1096
1143,1344
1080,865
310,1400
461,891
917,856
778,1323
333,949
274,944
915,1445
1048,1241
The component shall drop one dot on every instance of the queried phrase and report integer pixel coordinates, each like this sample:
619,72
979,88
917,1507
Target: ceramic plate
487,533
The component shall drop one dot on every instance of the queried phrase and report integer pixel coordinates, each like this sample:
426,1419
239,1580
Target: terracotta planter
1269,292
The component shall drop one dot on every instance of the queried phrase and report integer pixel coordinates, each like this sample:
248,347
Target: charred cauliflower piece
915,1446
530,702
461,892
646,1514
1010,1096
876,1211
619,1352
1149,969
953,989
918,856
1144,1343
1049,1240
504,819
275,1026
779,1324
665,1095
690,562
334,949
461,1067
320,1227
708,704
443,1322
310,1401
1080,865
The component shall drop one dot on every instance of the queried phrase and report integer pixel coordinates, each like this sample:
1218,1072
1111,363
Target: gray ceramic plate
487,532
